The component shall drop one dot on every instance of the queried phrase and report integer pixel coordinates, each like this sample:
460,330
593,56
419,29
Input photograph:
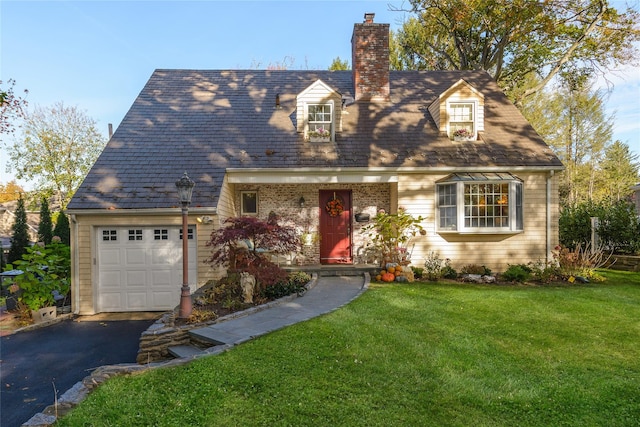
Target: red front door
335,227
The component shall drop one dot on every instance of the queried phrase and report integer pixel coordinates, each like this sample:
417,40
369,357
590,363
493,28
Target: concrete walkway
329,294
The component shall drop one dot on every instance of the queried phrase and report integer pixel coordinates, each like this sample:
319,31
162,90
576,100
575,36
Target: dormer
318,110
459,107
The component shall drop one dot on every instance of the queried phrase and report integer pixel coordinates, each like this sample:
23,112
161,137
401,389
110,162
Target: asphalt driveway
33,363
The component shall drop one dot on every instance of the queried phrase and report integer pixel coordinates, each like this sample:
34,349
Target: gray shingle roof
205,121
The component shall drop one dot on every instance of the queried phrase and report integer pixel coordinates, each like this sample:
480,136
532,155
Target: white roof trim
355,175
309,176
140,212
319,83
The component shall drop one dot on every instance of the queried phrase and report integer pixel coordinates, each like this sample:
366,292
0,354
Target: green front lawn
412,354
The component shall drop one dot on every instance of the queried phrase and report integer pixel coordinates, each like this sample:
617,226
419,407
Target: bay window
479,203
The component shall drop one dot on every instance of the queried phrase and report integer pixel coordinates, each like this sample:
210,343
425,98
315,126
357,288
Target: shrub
619,226
45,269
417,272
544,272
448,272
390,234
517,273
433,266
476,269
299,278
244,239
580,262
227,289
266,274
295,284
241,244
62,229
200,316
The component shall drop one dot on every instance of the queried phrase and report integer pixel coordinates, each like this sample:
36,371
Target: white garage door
140,268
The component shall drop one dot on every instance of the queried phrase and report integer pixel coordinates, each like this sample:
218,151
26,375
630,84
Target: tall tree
60,144
572,121
621,171
20,234
514,39
45,227
12,107
339,65
62,229
10,192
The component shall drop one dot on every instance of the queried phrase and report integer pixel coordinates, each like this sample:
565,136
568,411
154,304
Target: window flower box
320,135
319,139
463,135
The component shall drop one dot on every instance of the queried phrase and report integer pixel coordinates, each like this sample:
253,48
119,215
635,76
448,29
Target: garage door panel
110,279
110,257
163,256
138,271
162,277
110,301
135,256
164,299
137,300
136,278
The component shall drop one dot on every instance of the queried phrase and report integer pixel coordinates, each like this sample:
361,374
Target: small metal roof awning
479,176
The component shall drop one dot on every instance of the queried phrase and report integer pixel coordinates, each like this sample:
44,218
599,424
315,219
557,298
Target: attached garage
140,268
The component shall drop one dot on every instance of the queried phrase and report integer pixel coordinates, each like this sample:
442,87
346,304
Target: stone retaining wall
626,263
155,341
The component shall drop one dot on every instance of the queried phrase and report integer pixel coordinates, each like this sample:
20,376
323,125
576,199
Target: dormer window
320,118
462,115
317,117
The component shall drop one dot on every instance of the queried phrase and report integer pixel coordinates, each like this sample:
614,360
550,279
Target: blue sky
97,55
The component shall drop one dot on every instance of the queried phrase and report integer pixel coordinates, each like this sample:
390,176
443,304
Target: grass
412,354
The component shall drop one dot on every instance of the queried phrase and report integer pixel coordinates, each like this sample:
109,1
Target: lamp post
185,189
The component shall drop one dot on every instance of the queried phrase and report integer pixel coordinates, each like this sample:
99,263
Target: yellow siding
496,251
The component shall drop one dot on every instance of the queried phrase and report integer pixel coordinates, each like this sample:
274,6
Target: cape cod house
251,142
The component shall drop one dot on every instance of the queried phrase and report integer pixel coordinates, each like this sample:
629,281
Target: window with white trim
462,115
249,202
320,118
109,235
189,233
161,234
480,203
135,234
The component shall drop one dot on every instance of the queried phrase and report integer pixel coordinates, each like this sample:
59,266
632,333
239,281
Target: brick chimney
370,59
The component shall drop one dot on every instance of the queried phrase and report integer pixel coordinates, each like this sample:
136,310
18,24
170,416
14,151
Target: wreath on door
334,206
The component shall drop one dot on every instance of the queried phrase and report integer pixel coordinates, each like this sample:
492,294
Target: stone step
345,272
181,351
211,336
335,269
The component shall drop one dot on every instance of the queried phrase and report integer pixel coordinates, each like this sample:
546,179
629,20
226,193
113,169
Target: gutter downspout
548,227
75,275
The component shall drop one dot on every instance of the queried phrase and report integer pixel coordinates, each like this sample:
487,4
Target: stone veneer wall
283,199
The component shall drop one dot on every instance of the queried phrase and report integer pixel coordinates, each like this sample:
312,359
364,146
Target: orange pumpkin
391,269
388,277
379,277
